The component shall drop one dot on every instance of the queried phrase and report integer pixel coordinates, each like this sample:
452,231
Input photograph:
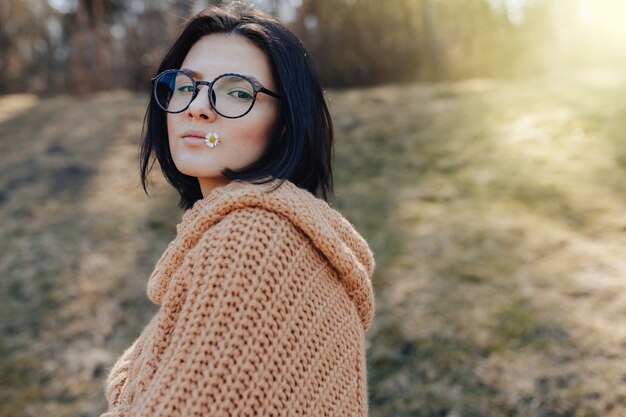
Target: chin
201,172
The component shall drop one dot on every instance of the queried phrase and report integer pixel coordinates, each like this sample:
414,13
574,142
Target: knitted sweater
265,298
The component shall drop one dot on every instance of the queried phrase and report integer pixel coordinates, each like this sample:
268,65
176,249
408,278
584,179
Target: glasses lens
173,91
232,95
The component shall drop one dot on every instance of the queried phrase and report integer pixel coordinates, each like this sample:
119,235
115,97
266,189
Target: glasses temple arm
269,92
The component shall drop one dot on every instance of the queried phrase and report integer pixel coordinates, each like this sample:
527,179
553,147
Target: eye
185,88
241,94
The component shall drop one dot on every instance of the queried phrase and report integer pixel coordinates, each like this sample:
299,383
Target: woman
265,293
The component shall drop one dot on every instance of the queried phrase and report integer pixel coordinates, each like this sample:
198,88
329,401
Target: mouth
210,139
194,134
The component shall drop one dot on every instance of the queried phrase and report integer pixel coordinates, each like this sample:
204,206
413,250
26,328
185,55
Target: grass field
495,209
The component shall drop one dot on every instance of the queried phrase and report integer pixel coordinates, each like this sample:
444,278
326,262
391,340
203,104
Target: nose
200,107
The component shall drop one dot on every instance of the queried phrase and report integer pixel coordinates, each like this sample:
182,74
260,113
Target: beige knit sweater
265,298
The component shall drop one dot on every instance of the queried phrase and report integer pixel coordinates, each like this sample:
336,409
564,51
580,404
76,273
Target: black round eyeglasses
231,95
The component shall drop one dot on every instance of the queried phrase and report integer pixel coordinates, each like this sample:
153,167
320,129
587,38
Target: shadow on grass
74,268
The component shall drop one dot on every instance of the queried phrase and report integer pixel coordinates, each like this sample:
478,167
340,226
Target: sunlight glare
601,30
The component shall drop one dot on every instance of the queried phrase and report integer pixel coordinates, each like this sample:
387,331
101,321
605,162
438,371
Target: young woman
265,293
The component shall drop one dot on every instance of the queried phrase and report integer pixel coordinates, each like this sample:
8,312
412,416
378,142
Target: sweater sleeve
117,376
255,323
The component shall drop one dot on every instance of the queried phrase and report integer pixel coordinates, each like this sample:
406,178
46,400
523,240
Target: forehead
220,53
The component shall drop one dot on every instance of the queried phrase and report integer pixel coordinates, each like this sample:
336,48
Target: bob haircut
300,148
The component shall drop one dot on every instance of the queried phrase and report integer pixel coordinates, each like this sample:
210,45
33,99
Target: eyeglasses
231,95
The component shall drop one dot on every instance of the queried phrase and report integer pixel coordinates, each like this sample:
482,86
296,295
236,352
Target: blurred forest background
480,150
82,46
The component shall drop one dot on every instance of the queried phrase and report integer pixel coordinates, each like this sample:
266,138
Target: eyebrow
198,75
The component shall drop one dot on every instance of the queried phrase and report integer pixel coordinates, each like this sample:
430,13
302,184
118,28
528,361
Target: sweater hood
331,233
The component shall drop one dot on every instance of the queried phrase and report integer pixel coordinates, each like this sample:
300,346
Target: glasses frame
257,88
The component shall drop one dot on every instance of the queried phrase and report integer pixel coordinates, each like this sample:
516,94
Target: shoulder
253,229
277,200
256,249
241,200
255,219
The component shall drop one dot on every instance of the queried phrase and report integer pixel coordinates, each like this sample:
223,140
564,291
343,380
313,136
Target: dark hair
301,148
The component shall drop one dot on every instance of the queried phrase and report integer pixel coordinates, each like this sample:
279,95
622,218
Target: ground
495,210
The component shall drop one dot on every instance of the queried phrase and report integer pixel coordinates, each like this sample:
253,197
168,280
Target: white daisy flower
211,139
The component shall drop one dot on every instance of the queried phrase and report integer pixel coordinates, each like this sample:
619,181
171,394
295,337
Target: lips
194,137
194,134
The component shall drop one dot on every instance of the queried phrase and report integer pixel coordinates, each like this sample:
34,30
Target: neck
209,184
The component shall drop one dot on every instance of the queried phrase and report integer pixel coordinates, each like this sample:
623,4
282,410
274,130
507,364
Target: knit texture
265,297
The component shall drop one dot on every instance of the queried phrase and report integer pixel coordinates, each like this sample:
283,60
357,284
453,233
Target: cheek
251,143
173,128
169,123
257,131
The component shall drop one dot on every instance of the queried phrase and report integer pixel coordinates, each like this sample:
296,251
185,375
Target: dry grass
495,210
506,295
